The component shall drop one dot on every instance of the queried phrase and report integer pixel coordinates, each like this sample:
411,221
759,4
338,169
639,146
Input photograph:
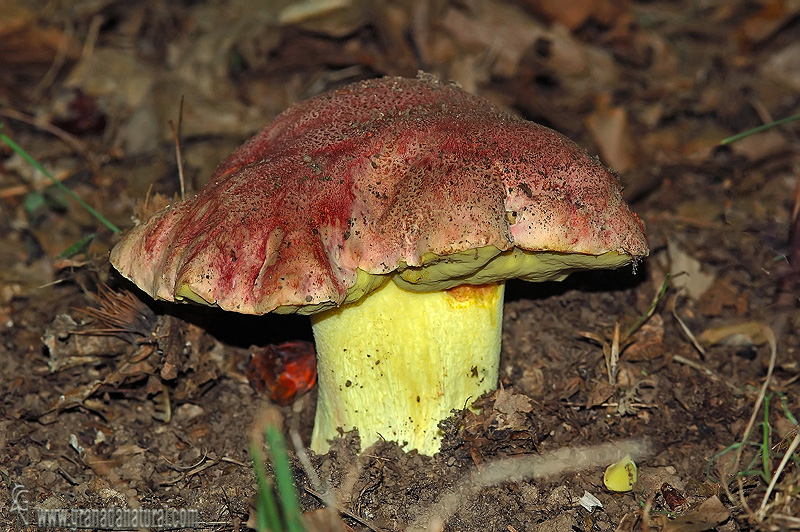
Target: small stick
21,190
325,492
341,510
77,144
176,135
686,330
789,452
613,357
773,345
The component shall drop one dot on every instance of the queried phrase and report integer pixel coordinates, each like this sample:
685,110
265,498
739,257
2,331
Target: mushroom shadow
245,330
584,281
230,328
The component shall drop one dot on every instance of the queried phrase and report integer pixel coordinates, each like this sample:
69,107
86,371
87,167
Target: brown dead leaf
510,411
23,41
511,403
652,478
647,341
152,204
672,496
337,18
70,263
600,393
69,400
721,297
700,211
68,350
575,13
571,387
532,381
128,449
123,87
506,430
323,520
763,23
627,522
784,67
687,272
481,32
738,334
610,129
704,517
767,144
683,139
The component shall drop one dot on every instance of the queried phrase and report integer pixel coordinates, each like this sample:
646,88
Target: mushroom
392,211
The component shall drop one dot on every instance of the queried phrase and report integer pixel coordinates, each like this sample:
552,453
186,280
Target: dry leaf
610,130
740,334
481,32
773,15
647,341
23,41
600,393
687,273
704,517
574,13
511,403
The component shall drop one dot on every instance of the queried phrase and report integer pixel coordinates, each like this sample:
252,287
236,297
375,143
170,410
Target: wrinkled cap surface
379,177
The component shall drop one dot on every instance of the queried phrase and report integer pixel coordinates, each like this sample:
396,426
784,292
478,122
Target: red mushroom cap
377,176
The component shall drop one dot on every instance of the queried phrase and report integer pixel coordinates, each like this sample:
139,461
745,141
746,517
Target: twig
234,462
55,66
759,400
704,370
91,37
613,357
646,514
176,135
528,467
21,190
311,473
785,460
185,468
650,311
74,142
341,510
686,330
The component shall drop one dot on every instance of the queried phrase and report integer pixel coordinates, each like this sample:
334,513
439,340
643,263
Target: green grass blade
758,129
33,162
283,477
266,510
644,317
766,470
786,411
77,247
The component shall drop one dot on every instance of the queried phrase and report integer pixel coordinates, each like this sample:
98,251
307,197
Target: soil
110,399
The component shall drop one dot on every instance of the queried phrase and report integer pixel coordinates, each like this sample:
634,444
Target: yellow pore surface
397,362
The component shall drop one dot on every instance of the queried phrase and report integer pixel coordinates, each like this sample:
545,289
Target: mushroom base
394,364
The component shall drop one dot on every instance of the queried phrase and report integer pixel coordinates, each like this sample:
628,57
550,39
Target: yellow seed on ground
621,476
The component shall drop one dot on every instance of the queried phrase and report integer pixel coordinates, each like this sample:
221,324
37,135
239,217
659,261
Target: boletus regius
392,211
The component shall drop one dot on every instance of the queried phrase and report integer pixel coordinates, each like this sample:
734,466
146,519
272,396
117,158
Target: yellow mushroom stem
395,364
